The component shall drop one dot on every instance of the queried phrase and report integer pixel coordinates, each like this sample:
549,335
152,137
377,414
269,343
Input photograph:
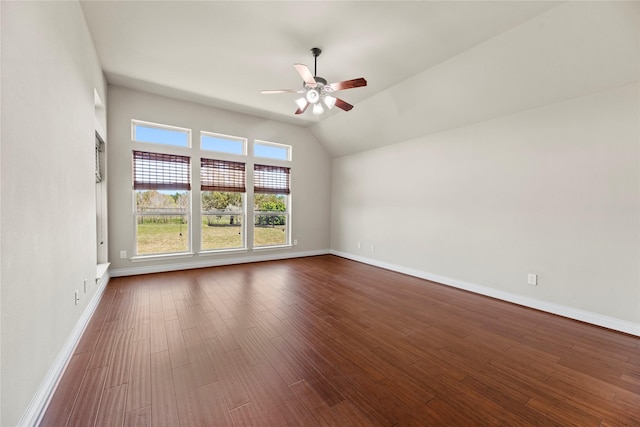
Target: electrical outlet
532,279
295,242
123,254
359,245
373,248
77,298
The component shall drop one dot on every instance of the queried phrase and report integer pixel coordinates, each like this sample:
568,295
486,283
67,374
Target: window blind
155,171
222,175
271,179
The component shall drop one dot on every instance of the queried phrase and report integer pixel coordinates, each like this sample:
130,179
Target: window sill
271,248
142,258
223,252
101,270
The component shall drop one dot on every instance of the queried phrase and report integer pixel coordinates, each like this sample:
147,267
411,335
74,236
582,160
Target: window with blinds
162,185
156,171
222,199
229,215
222,175
270,205
271,179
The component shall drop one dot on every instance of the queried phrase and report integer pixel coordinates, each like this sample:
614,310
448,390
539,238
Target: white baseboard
35,411
212,262
549,307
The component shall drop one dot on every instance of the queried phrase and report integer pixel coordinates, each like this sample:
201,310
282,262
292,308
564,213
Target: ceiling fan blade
348,84
343,104
302,110
306,75
267,92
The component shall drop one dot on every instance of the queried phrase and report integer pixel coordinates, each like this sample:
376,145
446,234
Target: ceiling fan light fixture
317,108
313,96
329,101
301,102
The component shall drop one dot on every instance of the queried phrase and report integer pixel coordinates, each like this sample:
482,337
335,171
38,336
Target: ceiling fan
316,90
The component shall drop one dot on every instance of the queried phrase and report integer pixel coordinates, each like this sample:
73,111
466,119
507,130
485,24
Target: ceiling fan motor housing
313,94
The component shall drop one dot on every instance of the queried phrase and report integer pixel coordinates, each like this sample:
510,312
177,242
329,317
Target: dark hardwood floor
325,341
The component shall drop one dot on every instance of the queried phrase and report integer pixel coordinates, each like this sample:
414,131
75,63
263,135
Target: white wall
552,191
49,72
551,188
310,175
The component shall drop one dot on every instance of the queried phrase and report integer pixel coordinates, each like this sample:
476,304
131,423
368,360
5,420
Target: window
223,143
160,134
162,189
270,205
166,223
223,193
271,150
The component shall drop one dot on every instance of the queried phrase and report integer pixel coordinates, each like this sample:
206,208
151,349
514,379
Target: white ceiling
430,65
223,53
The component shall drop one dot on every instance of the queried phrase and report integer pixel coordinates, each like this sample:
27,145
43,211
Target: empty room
319,213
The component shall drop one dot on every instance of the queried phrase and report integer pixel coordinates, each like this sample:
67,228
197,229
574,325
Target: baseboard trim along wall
38,405
558,309
256,257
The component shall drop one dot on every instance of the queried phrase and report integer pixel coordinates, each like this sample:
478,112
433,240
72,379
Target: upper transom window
160,134
271,150
223,143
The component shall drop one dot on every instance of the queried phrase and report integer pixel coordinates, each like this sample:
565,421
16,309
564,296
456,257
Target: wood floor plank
59,410
142,320
121,359
112,407
139,392
222,332
235,378
89,398
155,297
187,398
102,352
168,305
139,418
201,360
324,341
214,408
158,332
175,342
164,408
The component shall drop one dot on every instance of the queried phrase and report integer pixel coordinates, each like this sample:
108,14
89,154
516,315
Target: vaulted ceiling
223,53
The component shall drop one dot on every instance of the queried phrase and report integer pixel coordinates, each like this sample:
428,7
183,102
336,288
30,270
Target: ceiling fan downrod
316,52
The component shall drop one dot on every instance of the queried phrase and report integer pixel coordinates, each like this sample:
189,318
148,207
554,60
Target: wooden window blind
222,175
271,179
155,171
